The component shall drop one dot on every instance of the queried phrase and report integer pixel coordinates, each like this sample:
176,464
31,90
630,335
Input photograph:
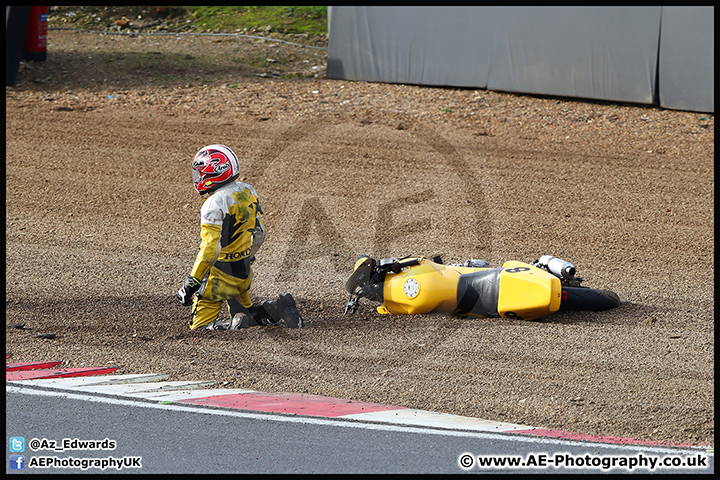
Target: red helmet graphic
214,166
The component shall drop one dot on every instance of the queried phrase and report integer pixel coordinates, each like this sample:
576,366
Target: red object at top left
36,35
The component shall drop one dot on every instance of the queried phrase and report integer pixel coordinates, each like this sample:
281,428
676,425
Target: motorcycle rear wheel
590,299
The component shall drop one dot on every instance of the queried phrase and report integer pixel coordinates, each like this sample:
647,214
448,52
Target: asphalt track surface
150,426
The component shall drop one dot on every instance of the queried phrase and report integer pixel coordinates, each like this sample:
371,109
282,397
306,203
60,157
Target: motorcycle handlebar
395,267
409,263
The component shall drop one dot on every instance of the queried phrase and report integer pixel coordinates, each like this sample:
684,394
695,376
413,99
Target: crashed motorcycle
517,290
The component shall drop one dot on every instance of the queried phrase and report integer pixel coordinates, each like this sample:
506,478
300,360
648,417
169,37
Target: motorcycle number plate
411,287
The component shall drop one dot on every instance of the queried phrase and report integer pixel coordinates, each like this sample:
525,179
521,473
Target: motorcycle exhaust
557,266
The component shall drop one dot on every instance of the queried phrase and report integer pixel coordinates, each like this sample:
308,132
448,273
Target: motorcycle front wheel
590,299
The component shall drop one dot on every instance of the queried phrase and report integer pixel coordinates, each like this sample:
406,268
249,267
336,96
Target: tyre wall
652,55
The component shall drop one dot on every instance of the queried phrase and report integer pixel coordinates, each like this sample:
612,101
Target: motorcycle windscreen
477,293
361,274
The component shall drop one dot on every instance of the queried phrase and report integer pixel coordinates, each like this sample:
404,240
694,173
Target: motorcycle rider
231,230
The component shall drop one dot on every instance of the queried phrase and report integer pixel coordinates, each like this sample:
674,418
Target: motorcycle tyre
589,299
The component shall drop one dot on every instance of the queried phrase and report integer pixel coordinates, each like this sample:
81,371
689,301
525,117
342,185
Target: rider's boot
240,320
217,324
241,316
271,312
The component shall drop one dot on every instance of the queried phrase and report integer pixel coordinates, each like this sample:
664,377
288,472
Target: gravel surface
102,225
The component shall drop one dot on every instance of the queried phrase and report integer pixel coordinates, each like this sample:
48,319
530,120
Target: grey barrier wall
687,59
652,55
587,52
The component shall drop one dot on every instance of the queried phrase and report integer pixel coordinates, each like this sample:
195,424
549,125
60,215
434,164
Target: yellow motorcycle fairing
527,292
517,290
424,288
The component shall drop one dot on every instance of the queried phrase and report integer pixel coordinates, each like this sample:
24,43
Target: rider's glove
185,294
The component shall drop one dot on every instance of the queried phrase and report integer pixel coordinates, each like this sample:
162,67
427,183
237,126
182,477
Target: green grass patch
310,20
281,20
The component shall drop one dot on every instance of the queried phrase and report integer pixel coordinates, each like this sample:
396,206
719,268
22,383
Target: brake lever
352,304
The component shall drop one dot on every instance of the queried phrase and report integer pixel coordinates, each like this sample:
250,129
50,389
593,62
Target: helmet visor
195,176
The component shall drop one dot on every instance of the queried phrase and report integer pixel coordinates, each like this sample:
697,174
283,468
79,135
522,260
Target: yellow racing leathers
232,230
